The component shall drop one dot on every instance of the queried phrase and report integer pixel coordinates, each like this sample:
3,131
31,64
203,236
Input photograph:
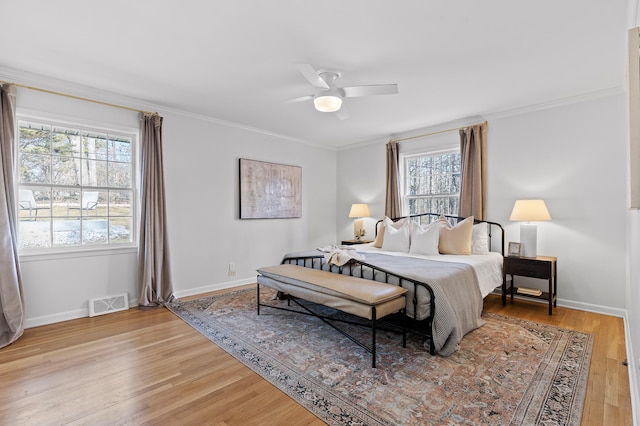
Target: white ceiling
234,60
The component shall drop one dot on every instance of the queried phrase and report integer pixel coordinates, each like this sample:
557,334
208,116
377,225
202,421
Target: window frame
404,176
81,249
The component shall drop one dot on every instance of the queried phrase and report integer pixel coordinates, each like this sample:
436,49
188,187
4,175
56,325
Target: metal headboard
453,220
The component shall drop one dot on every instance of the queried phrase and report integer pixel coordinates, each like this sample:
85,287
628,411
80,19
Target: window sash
431,182
68,173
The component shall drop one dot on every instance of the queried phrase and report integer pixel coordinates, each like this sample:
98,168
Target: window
75,187
432,182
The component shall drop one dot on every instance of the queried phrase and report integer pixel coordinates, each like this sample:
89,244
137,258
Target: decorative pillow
457,239
424,239
480,239
396,235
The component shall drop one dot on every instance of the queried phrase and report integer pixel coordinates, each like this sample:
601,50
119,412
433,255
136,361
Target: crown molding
494,115
555,103
48,83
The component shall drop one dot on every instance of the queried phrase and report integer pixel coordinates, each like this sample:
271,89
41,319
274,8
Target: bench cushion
363,291
337,302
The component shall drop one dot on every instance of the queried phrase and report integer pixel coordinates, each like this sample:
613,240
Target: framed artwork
515,249
269,190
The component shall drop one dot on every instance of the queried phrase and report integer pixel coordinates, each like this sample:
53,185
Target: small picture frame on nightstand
515,249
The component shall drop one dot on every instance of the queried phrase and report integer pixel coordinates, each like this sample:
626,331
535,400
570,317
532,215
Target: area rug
509,371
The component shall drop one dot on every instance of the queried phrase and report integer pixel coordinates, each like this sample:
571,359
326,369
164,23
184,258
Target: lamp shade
530,210
327,103
359,210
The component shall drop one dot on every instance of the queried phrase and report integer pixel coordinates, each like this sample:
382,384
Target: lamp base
358,226
529,239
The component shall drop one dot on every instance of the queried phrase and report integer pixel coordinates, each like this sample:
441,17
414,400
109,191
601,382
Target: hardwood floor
149,367
608,399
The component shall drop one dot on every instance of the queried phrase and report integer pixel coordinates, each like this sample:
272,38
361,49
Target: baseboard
215,287
580,306
66,316
55,318
597,309
633,375
133,303
80,313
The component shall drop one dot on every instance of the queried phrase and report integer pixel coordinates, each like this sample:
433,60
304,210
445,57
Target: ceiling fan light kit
327,103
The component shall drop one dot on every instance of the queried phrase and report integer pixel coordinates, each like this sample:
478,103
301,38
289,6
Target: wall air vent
106,305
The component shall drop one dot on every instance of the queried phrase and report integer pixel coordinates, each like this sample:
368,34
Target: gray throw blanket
455,286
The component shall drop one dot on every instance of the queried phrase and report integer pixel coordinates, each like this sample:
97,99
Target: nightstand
353,242
543,267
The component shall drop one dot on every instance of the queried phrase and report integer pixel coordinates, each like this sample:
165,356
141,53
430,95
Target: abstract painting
269,190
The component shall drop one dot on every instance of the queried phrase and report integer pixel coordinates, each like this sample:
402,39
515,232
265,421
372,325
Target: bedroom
553,149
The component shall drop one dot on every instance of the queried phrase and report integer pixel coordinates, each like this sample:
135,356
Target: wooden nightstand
543,267
353,242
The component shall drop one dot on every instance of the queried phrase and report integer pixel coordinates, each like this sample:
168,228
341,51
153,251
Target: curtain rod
437,133
80,98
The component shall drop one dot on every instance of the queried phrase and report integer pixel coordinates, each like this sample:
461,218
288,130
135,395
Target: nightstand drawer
528,268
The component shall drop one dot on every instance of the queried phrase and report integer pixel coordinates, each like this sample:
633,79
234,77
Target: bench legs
374,320
373,337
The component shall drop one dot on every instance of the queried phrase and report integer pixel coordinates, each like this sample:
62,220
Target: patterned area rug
508,371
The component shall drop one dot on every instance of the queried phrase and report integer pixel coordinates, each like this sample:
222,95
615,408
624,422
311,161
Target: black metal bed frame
355,268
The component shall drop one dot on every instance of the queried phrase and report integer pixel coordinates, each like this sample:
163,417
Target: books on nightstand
530,291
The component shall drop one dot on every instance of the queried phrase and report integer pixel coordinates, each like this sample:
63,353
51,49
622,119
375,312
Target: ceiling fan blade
371,90
312,76
300,99
342,113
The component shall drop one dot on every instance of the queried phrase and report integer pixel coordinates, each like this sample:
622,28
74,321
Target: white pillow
424,239
480,239
396,235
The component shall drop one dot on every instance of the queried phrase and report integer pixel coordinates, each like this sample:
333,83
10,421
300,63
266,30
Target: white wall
205,234
574,157
201,168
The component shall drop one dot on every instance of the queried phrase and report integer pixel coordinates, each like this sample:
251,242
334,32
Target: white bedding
487,267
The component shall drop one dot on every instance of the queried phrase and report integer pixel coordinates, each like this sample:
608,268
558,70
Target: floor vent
106,305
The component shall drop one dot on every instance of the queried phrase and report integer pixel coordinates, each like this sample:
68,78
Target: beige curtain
11,296
154,274
393,203
473,147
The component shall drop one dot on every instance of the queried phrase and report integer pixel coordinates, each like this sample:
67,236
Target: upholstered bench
363,298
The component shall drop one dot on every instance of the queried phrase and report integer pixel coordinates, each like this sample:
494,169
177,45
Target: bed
448,264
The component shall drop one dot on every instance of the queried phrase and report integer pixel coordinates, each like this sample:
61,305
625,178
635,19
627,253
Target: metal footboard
357,268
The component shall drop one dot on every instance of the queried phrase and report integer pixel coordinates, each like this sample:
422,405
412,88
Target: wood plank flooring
149,367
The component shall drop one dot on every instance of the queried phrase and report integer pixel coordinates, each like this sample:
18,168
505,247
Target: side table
543,267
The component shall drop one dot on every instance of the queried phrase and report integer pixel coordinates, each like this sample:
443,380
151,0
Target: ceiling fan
328,96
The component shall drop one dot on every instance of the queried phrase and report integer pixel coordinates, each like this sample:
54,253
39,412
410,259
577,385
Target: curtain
154,274
11,296
473,147
393,206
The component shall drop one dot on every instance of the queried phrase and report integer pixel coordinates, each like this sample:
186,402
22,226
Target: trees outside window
432,182
76,186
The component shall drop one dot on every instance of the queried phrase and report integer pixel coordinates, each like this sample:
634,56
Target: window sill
52,254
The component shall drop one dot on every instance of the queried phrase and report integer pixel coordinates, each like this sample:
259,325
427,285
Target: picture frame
269,190
515,249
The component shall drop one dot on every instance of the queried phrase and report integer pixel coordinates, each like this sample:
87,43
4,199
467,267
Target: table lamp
529,211
359,211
